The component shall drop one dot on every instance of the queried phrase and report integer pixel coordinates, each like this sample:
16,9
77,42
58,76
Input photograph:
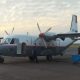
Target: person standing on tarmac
35,54
79,50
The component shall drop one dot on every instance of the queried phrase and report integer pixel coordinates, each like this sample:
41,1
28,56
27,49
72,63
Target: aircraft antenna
6,32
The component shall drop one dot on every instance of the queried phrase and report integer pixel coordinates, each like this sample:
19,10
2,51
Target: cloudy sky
24,15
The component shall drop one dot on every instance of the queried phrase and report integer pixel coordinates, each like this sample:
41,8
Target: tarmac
60,68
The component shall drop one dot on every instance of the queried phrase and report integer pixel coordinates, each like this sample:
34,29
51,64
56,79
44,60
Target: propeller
38,27
6,32
44,43
48,30
41,35
9,33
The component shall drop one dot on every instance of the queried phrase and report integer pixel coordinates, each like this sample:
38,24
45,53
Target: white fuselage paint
31,40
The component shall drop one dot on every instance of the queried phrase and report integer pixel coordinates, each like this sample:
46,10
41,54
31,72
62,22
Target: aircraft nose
2,49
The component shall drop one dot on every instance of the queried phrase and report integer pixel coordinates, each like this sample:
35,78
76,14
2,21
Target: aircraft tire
49,57
31,58
1,60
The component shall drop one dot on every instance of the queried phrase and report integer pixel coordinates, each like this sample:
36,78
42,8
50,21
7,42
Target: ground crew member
35,54
79,50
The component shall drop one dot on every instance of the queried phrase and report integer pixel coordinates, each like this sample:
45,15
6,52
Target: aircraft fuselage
11,50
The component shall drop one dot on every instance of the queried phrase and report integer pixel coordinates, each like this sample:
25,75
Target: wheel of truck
1,60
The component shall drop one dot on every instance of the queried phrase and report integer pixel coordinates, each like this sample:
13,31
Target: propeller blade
12,30
6,32
39,27
48,29
44,43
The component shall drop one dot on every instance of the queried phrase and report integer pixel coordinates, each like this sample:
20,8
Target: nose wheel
1,59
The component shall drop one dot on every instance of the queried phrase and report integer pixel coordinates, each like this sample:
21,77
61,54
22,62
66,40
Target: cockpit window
7,40
12,41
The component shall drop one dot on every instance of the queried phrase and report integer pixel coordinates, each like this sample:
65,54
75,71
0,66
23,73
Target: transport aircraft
46,44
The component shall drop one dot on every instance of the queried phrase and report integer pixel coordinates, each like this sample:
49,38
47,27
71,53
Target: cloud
14,10
47,12
20,9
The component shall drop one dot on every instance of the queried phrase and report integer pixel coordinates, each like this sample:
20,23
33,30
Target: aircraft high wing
61,36
69,35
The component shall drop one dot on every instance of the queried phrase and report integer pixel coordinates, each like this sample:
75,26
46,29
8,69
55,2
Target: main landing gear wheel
31,58
1,59
49,57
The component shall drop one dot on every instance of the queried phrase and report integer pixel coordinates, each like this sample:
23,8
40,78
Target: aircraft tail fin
74,24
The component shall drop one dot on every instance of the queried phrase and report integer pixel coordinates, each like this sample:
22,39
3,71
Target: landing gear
49,57
36,59
33,58
1,59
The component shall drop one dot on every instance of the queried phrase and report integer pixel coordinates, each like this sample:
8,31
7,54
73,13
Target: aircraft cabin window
12,41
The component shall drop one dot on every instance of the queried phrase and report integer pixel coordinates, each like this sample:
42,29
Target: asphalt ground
60,68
